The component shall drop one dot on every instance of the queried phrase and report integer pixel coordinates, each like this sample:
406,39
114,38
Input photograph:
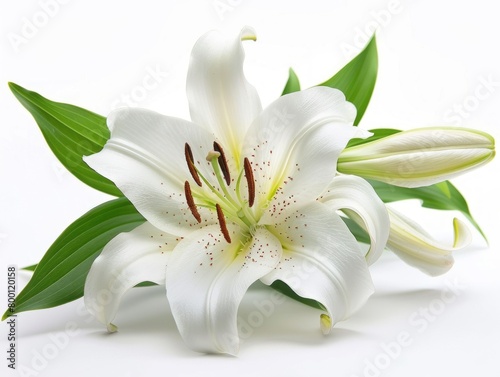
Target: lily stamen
235,210
190,163
225,199
222,223
214,158
211,155
190,201
223,163
250,181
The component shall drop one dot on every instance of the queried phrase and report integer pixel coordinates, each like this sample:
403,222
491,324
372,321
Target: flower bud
419,157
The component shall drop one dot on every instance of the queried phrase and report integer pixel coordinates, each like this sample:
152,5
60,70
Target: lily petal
128,259
207,278
419,157
145,158
415,246
289,143
220,98
357,199
322,261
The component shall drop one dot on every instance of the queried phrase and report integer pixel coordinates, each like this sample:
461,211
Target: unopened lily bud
419,157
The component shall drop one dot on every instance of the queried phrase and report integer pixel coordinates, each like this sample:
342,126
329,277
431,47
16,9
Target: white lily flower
231,198
419,157
415,246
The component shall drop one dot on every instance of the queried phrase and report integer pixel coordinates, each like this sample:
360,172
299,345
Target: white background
433,55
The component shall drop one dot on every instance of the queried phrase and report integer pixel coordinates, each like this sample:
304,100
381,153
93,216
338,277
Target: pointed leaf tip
71,133
441,196
60,276
293,83
357,79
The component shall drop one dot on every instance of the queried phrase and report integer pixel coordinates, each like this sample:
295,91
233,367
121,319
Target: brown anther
222,223
223,163
250,181
190,163
190,202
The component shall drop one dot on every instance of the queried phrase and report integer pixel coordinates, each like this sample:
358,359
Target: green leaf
71,132
282,287
441,196
357,79
60,276
293,84
143,284
378,133
357,231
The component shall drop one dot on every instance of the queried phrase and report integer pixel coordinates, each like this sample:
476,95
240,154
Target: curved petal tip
325,324
462,235
248,34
